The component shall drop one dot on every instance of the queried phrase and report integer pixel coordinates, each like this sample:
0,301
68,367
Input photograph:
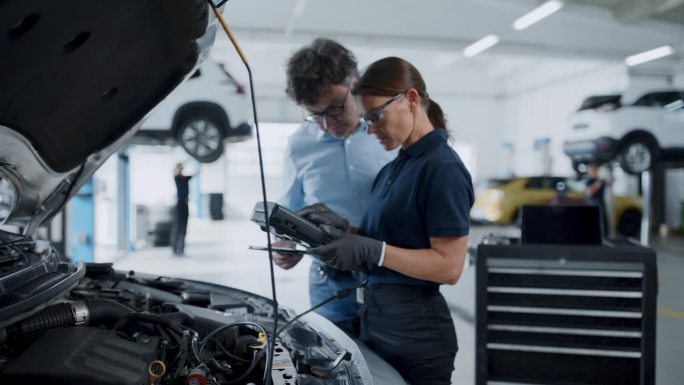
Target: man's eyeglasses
376,114
334,112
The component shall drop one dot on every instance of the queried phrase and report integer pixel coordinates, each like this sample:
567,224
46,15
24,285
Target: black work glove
347,251
321,214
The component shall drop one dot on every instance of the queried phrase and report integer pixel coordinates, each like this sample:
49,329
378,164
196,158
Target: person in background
180,212
595,192
414,235
331,159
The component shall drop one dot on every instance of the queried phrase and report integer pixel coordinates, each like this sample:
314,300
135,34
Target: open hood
75,79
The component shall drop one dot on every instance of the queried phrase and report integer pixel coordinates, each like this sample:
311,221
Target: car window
644,100
660,99
497,182
544,182
554,181
534,183
601,102
676,105
548,183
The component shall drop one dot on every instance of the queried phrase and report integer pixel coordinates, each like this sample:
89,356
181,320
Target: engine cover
83,355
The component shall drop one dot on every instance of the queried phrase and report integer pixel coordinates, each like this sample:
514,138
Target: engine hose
61,314
105,311
96,311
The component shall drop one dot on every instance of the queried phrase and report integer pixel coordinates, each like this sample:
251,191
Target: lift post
646,184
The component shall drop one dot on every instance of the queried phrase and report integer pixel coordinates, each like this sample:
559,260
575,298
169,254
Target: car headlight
8,199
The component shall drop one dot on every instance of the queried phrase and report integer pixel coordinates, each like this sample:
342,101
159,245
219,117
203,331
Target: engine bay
113,327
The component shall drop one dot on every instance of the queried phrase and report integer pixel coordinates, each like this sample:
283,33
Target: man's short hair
316,66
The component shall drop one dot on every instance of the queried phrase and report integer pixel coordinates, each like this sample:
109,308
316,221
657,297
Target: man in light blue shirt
330,159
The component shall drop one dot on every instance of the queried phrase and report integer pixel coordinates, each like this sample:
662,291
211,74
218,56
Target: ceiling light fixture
650,55
483,44
544,10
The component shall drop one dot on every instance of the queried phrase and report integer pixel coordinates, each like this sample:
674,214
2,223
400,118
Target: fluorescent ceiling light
647,56
481,45
544,10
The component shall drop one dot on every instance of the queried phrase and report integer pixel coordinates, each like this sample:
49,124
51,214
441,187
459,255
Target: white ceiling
432,34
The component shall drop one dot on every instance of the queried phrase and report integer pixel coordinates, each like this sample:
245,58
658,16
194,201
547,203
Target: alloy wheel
637,158
200,138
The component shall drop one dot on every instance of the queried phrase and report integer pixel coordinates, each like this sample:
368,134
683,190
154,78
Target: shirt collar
323,136
429,141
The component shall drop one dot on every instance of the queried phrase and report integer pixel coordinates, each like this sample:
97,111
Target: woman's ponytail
436,115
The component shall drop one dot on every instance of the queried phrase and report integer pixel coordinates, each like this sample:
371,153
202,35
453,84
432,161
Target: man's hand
289,260
321,214
348,251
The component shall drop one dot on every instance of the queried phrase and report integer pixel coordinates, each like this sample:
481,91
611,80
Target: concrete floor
217,252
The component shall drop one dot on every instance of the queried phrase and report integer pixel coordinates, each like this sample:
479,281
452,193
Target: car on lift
637,134
102,67
201,114
499,201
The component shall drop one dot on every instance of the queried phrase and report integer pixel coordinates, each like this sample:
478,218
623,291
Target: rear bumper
602,149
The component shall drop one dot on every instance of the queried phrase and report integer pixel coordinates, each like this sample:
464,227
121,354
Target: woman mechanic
414,235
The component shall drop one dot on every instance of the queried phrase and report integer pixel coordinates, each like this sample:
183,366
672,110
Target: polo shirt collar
431,140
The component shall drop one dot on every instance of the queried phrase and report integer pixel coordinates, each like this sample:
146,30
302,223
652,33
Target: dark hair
392,75
316,66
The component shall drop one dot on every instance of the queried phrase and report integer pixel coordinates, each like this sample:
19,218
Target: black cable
271,347
193,346
338,295
250,369
224,327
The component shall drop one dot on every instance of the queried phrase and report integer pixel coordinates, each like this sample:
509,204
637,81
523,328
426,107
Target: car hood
76,79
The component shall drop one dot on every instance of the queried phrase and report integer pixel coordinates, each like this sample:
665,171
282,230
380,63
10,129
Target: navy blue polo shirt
425,192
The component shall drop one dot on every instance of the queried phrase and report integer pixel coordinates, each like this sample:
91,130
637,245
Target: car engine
110,327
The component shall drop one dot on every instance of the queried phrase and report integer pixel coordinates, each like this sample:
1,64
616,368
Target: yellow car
501,199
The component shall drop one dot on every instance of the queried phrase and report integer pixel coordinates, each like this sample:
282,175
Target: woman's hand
347,251
321,214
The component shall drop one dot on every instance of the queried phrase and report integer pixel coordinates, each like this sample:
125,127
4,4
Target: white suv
200,114
637,135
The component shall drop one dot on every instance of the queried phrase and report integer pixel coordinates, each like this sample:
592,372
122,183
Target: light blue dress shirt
336,171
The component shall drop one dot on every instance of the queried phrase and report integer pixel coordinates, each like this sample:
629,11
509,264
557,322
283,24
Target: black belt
393,294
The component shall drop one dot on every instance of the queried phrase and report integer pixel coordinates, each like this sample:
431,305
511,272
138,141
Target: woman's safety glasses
376,114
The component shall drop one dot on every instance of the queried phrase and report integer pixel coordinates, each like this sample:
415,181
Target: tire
202,137
629,224
637,155
580,168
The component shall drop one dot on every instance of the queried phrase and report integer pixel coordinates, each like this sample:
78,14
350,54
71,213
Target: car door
667,111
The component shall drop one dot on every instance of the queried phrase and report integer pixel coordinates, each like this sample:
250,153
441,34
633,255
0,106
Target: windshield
497,182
